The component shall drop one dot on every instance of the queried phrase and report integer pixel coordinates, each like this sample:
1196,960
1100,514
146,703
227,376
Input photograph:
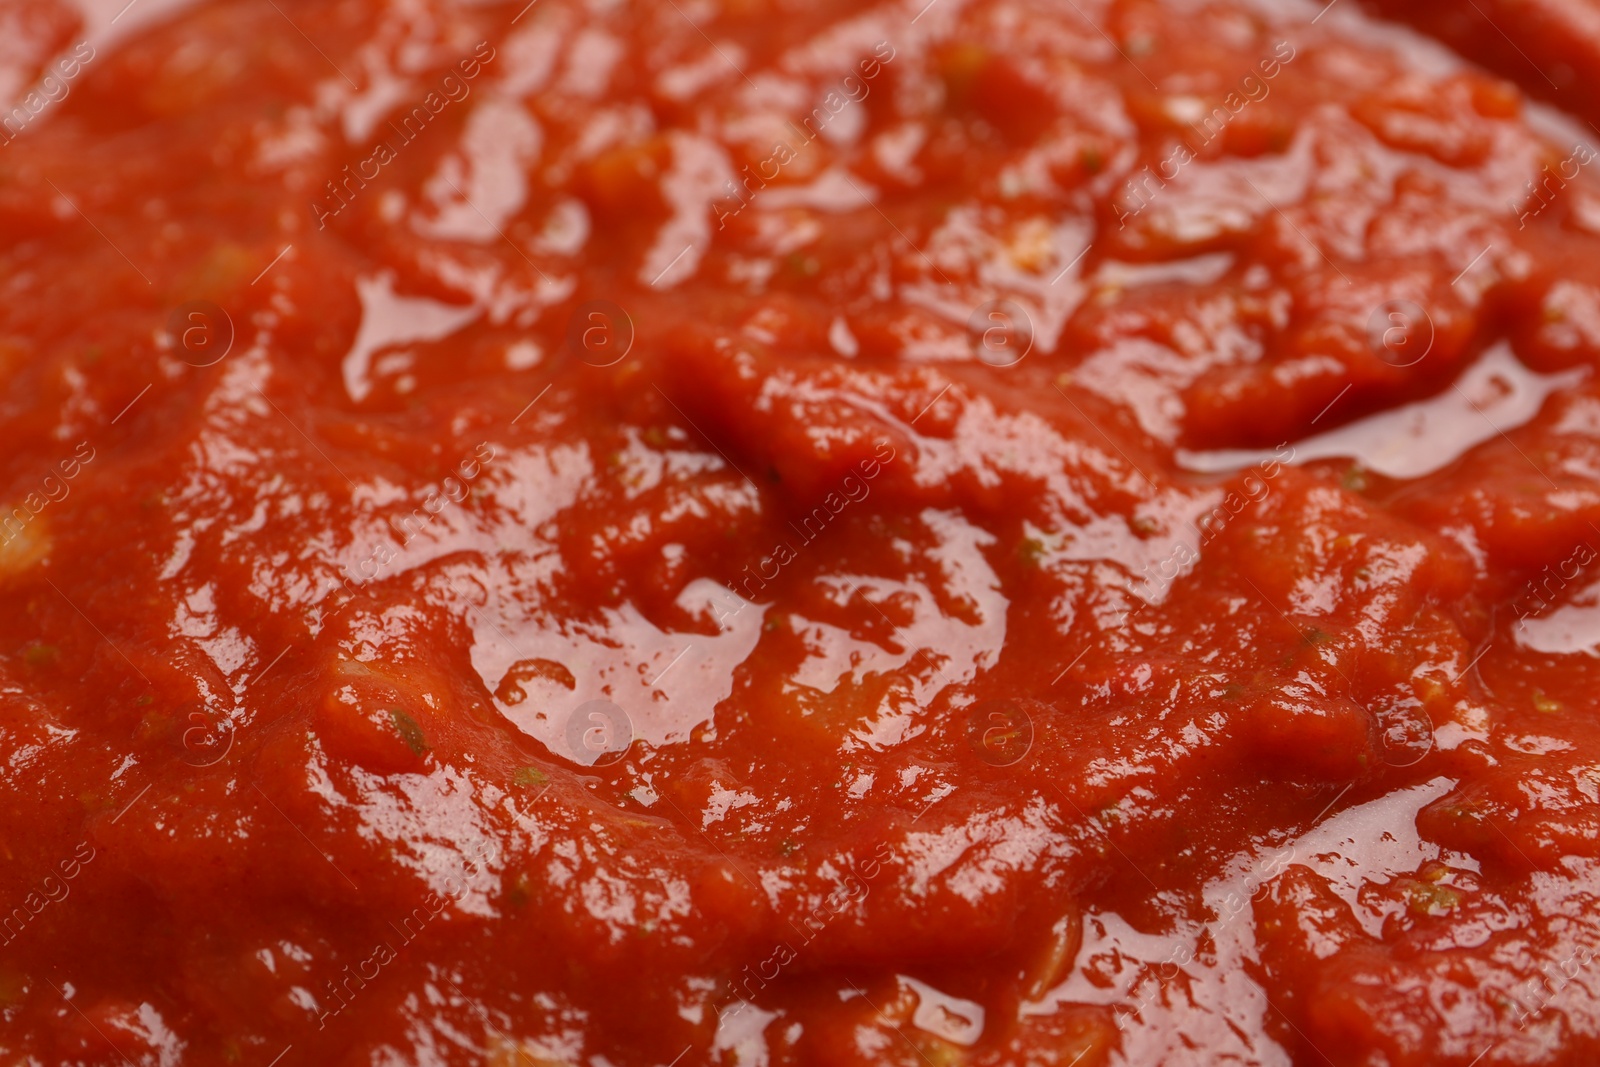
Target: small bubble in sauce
598,733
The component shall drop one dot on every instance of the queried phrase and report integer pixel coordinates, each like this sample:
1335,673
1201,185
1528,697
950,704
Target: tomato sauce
993,532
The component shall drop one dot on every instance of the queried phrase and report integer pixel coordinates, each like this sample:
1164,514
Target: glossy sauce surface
766,533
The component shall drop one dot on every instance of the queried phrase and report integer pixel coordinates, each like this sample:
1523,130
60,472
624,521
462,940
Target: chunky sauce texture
758,532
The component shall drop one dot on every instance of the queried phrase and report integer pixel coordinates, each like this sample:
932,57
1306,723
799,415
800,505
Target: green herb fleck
1140,44
409,731
38,654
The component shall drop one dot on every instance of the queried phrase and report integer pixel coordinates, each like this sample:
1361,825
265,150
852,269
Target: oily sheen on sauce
993,532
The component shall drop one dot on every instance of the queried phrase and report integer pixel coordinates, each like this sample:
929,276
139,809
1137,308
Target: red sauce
762,533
